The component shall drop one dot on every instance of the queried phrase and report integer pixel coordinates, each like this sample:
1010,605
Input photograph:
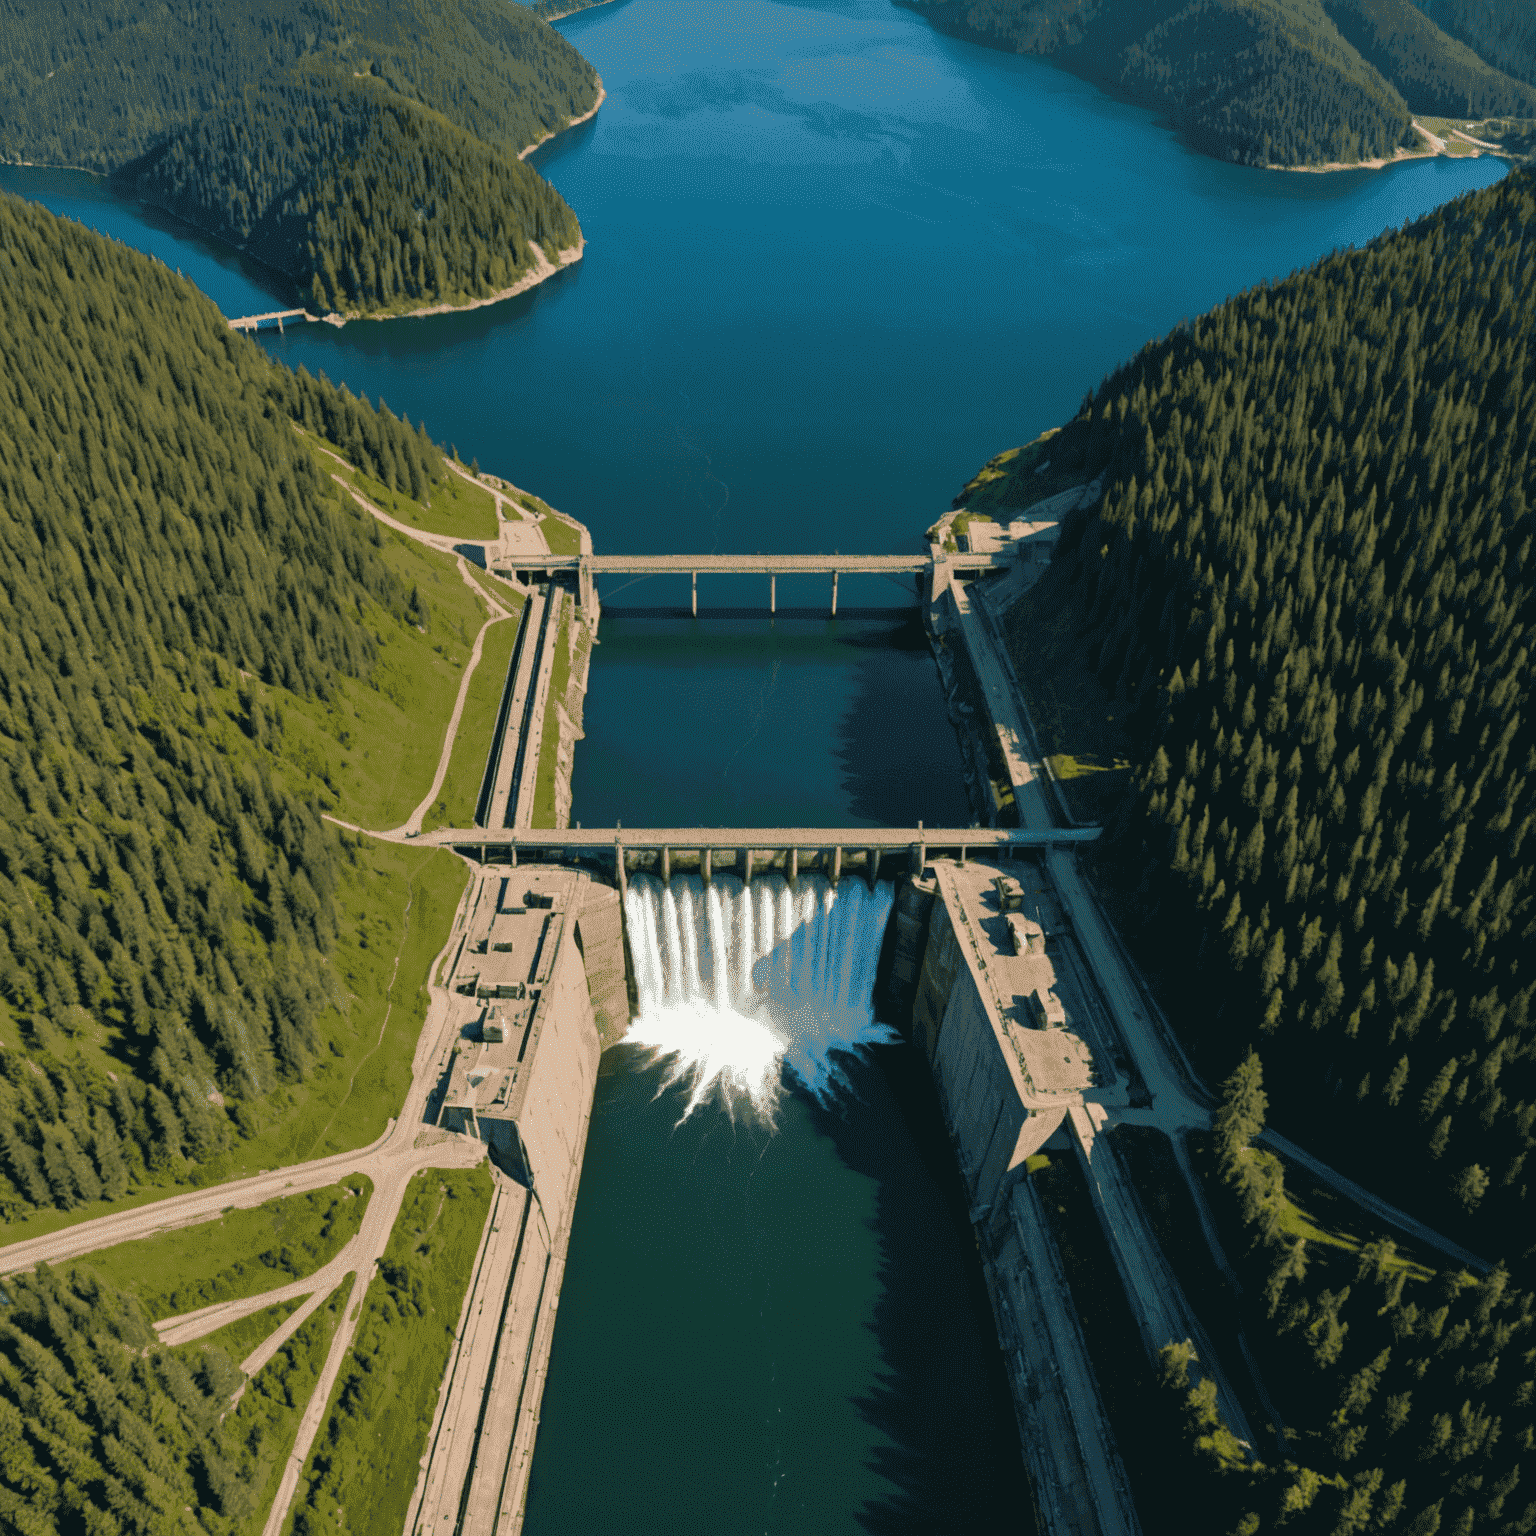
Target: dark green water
836,262
781,1333
743,722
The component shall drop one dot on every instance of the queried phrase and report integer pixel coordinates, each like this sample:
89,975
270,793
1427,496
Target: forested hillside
1405,1395
1311,576
369,152
166,904
1502,31
1287,82
1309,595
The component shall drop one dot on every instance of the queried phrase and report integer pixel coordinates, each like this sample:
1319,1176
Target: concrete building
987,1016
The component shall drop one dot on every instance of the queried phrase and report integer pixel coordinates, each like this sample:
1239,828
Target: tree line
1261,82
368,152
166,905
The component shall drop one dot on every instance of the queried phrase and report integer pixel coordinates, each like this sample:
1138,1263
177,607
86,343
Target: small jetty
277,316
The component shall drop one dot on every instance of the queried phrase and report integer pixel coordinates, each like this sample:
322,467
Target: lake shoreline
576,10
543,269
1436,151
530,279
575,122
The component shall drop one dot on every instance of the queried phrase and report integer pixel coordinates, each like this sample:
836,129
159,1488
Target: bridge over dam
937,567
832,851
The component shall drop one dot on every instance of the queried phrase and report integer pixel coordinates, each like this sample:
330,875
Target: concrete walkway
536,719
527,661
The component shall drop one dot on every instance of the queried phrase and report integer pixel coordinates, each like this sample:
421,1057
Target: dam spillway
736,981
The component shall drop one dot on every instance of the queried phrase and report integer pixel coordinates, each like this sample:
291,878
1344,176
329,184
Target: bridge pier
834,594
666,866
872,866
837,865
620,872
794,865
707,864
746,866
939,574
695,594
773,594
584,586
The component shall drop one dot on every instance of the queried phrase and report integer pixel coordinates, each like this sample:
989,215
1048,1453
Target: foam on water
737,983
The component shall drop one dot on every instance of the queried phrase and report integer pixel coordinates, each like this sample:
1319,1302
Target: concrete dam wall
985,1014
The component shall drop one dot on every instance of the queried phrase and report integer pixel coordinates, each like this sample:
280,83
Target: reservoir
835,262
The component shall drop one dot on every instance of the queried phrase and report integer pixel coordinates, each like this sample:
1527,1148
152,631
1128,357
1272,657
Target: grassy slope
238,1254
453,506
365,1062
362,1470
561,536
370,751
471,747
1016,478
1336,1229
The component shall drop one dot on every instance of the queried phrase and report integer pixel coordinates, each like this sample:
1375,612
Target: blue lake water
836,262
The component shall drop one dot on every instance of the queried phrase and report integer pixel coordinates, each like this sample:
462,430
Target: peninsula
374,158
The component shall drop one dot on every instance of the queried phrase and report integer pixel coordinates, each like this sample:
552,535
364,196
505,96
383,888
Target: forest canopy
369,150
1276,82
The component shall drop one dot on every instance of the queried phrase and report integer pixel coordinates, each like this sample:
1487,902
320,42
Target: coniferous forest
165,535
368,152
1278,82
1309,591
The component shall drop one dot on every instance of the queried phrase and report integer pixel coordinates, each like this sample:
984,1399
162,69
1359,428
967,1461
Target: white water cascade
736,982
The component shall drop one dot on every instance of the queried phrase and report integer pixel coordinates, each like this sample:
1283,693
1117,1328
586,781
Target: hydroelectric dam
751,963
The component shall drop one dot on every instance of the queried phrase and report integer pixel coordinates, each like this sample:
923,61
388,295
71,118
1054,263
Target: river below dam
836,261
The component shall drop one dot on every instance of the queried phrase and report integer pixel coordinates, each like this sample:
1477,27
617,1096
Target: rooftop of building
1016,977
512,939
